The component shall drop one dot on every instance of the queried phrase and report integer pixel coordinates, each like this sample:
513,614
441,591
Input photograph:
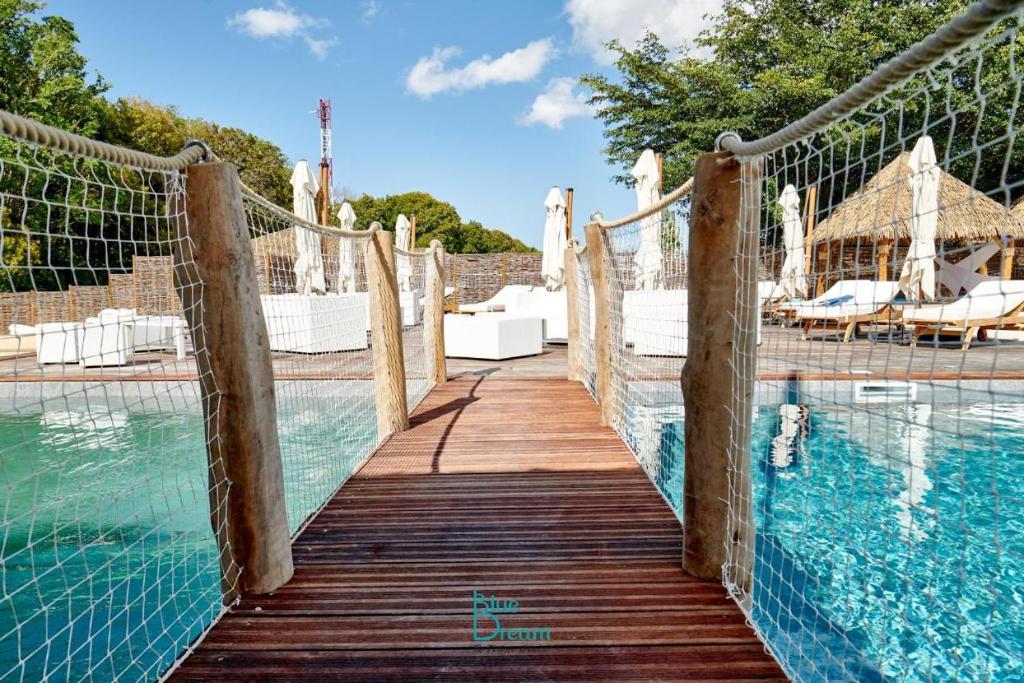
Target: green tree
435,219
42,74
773,61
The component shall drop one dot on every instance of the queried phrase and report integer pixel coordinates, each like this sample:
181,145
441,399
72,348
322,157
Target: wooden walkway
509,488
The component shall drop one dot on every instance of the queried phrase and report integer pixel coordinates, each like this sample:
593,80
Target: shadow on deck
510,488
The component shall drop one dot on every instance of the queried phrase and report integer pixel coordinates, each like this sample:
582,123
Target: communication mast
326,161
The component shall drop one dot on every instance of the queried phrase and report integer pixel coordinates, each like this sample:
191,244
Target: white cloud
432,75
283,22
318,47
371,10
557,103
596,22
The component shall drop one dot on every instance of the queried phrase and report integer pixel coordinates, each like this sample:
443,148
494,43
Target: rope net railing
110,564
886,417
585,313
410,268
647,264
113,561
320,346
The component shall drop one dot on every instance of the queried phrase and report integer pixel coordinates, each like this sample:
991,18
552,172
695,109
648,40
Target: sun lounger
996,304
847,304
499,302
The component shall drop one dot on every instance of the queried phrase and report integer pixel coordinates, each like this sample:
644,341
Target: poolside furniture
150,332
412,308
58,342
300,323
994,304
847,304
964,275
654,321
492,336
549,306
498,302
104,343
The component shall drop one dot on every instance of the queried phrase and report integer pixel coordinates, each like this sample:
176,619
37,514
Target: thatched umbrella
880,213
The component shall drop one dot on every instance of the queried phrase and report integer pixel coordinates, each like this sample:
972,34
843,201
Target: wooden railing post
386,335
215,278
572,312
607,334
1006,262
722,319
433,313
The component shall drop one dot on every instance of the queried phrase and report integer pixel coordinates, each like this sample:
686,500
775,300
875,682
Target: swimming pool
890,539
109,563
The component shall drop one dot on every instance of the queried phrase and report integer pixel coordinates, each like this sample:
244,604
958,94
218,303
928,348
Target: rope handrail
963,29
666,201
284,214
36,133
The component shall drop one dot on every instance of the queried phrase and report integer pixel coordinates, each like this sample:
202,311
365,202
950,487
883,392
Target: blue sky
470,101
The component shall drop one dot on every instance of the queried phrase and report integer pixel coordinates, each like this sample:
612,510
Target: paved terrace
781,354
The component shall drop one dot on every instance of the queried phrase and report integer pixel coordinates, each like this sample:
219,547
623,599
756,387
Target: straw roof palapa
881,211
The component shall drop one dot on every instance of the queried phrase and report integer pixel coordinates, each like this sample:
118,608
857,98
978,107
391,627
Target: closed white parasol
346,251
309,263
553,259
647,264
791,279
403,266
918,274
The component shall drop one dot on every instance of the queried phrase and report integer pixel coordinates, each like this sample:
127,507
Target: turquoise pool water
109,566
890,537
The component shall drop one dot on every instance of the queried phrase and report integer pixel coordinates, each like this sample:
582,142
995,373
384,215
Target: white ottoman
492,336
316,324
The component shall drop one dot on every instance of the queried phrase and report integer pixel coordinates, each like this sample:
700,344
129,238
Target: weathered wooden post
572,312
386,335
884,251
607,334
568,213
433,314
1006,262
722,322
215,278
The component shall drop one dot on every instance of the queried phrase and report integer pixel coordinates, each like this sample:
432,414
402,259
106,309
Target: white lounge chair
994,304
499,302
963,275
845,305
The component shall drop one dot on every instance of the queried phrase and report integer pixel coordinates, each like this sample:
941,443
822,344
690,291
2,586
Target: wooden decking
509,488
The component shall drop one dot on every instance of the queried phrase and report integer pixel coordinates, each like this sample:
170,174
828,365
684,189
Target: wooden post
215,278
386,335
884,249
412,234
812,205
661,175
717,397
433,314
568,213
1006,263
824,265
325,194
606,332
573,349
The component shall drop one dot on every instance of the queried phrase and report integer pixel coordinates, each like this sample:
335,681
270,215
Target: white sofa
412,307
654,321
317,324
492,336
549,306
499,302
150,332
58,342
105,343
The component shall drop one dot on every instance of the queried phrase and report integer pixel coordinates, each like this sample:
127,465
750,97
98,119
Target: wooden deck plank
508,487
